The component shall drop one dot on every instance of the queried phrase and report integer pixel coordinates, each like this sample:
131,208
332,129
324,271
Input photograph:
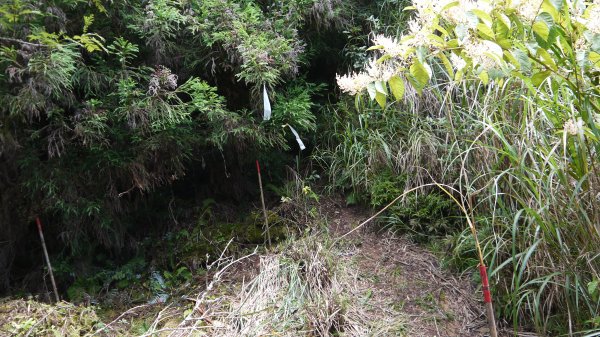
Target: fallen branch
8,39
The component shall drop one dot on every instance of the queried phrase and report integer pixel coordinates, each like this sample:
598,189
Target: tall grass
361,144
541,208
532,188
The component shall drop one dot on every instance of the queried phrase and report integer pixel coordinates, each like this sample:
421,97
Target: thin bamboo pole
39,227
262,200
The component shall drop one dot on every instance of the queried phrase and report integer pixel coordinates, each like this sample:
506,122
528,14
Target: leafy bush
102,106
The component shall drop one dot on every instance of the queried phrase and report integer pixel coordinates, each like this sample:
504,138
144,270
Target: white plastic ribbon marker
300,143
266,104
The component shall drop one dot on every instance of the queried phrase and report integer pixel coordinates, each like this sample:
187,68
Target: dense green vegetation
517,83
103,106
131,128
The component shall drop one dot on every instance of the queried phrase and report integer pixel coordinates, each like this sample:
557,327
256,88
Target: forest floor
370,283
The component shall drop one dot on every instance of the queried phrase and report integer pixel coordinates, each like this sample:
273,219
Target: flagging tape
266,104
300,143
257,167
38,223
487,296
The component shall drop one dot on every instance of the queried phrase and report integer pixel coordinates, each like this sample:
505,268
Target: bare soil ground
405,276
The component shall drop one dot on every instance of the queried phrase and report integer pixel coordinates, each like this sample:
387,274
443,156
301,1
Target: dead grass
32,318
304,288
367,284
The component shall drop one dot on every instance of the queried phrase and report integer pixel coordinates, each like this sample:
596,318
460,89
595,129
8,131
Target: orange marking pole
487,299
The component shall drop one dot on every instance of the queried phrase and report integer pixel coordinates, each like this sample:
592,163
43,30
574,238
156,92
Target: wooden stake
39,227
262,200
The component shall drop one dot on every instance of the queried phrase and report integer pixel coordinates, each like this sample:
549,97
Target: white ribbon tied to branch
300,143
266,104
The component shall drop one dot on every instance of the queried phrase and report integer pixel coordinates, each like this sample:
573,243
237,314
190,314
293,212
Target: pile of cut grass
304,288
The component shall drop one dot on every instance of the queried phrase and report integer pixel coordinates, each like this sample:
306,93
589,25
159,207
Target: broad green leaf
371,90
546,58
452,43
582,58
374,48
485,17
485,31
523,59
501,29
546,18
441,30
594,40
380,87
505,20
446,63
428,69
384,58
550,9
512,59
420,74
557,4
450,5
422,53
484,77
538,78
594,59
381,99
435,38
541,29
555,32
506,44
397,87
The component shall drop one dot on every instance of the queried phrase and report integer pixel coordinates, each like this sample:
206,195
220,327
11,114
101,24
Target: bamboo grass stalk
262,200
47,258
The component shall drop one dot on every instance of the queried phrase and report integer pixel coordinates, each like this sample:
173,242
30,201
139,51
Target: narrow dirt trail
405,277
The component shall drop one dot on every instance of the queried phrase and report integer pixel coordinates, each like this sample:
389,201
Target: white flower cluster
482,52
593,23
354,84
458,62
428,10
528,10
380,71
573,126
419,34
457,14
581,44
390,46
